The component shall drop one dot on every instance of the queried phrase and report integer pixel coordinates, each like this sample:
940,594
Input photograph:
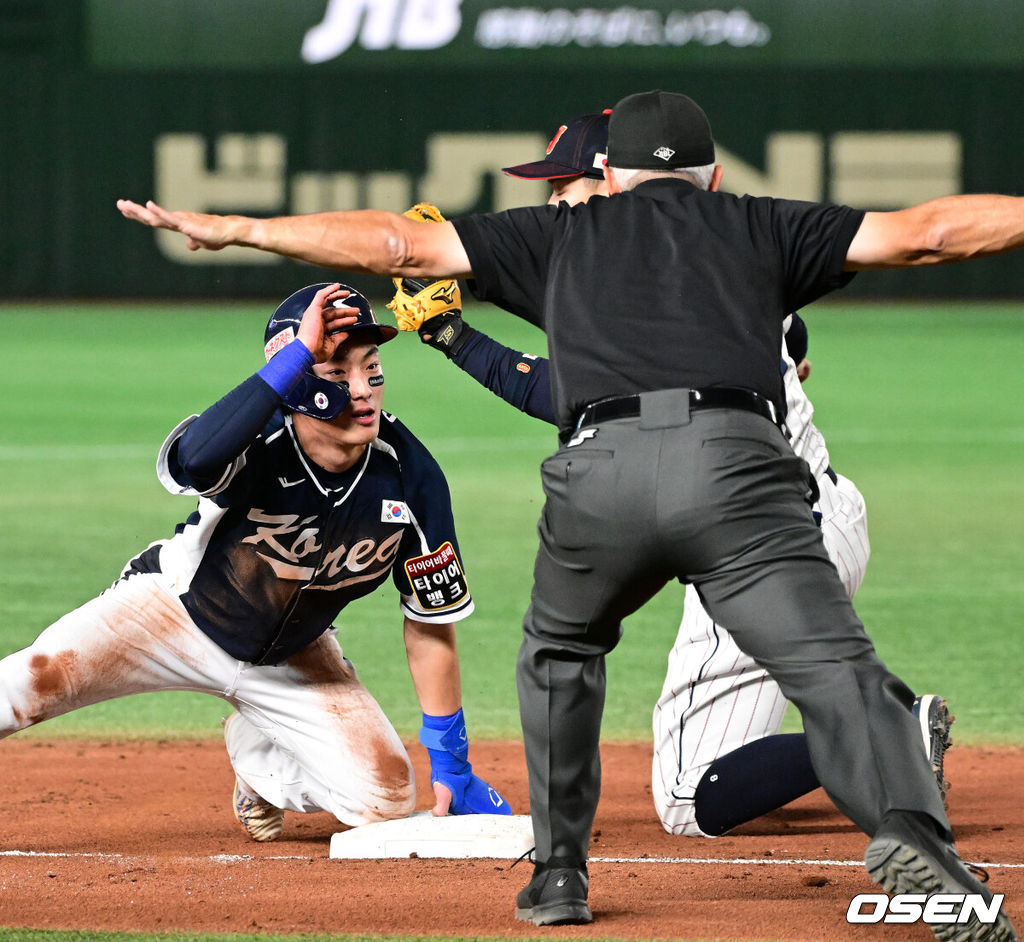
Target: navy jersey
279,546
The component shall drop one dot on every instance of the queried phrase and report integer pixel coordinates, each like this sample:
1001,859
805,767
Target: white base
423,835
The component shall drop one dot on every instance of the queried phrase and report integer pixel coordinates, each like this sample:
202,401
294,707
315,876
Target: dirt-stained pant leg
715,698
311,737
133,638
136,638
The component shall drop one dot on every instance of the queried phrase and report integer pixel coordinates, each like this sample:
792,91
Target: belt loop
665,408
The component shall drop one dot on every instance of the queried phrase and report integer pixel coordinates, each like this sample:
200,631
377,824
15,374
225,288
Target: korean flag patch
394,511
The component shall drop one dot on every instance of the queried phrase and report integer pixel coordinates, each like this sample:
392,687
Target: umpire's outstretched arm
367,241
949,229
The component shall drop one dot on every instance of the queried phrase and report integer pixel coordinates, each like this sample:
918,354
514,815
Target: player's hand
456,789
324,321
202,230
465,793
803,369
446,332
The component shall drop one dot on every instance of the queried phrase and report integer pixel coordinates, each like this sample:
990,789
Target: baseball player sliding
309,497
719,759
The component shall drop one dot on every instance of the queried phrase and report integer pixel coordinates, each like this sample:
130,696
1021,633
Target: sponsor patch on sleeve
437,579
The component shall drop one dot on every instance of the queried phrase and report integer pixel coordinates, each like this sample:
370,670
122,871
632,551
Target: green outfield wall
281,106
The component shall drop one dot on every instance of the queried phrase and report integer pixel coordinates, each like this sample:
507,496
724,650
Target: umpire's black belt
713,397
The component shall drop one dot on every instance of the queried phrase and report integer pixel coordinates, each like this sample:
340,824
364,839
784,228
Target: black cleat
933,714
556,895
907,855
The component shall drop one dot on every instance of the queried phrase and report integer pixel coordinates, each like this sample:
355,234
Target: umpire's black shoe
906,855
556,895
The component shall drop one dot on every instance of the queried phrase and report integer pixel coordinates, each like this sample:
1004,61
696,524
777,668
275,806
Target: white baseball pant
715,698
310,736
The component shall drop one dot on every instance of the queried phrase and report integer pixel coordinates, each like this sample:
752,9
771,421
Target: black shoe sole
572,912
901,868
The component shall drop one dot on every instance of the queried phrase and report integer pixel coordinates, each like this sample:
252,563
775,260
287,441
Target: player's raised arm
949,229
206,447
369,241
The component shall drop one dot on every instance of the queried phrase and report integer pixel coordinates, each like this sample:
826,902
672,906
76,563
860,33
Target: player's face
573,190
358,365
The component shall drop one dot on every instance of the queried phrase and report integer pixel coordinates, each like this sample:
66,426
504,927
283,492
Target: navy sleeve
522,380
508,254
222,433
428,571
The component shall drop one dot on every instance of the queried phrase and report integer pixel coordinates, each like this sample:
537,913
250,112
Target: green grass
920,405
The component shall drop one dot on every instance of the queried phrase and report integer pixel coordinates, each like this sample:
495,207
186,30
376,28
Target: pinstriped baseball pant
720,500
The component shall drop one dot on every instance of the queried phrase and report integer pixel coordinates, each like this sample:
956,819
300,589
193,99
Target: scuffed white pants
715,698
310,736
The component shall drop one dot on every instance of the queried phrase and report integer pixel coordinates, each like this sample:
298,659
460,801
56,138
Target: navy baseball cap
578,147
659,131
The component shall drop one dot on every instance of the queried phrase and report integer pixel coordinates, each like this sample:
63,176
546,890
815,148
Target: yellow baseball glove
424,212
417,301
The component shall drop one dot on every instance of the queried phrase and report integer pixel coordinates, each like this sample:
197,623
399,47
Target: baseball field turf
920,404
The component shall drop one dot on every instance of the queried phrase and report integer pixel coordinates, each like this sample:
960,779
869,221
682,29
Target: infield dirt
139,835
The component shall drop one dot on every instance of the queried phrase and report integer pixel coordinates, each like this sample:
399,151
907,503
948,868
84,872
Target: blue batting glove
448,747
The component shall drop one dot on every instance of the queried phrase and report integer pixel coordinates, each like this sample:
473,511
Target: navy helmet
313,395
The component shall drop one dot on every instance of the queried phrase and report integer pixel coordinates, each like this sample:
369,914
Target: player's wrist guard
448,747
448,333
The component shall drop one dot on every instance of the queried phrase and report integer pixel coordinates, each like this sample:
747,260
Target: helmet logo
320,400
279,340
664,153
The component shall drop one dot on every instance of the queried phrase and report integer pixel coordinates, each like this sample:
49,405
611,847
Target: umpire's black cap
578,147
659,131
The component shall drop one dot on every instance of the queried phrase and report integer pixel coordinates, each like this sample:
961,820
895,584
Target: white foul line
745,861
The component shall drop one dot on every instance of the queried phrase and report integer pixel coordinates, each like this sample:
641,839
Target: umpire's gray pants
718,499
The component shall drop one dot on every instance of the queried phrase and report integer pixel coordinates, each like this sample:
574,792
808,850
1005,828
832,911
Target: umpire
664,309
663,305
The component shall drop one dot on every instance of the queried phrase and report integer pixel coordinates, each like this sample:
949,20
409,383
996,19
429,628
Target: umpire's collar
673,188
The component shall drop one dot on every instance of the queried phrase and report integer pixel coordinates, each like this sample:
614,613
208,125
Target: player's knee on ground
390,789
677,816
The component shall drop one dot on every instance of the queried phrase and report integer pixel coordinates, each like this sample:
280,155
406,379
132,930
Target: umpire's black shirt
663,287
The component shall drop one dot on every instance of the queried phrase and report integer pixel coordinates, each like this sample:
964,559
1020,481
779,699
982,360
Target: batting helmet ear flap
312,395
318,397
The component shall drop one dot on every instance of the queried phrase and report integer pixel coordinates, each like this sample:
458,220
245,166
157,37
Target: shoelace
980,872
528,857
